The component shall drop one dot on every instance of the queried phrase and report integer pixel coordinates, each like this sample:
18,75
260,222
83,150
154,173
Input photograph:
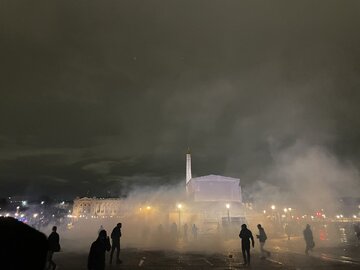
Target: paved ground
285,255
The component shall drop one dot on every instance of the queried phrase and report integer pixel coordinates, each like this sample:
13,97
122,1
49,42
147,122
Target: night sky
99,97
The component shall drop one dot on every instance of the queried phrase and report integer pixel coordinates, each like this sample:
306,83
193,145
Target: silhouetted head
259,226
119,225
243,226
19,238
54,229
307,226
102,234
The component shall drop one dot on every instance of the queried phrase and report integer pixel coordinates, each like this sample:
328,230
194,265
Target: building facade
96,207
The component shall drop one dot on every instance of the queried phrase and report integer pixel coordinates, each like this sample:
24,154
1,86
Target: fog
308,176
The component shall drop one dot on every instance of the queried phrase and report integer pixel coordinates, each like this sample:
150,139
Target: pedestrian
357,231
53,246
173,231
262,238
115,238
21,246
194,231
160,230
185,231
100,229
96,258
245,235
309,239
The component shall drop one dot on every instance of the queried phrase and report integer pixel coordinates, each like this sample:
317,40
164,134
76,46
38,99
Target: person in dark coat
21,247
115,238
96,259
194,230
53,246
246,235
309,239
262,238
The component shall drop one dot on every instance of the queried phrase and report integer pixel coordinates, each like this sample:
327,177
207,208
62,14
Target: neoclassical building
96,207
212,188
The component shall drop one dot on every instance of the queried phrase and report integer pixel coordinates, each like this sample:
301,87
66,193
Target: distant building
212,188
96,207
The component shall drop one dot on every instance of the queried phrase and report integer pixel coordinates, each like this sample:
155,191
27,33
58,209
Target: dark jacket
96,259
308,236
246,235
116,234
54,242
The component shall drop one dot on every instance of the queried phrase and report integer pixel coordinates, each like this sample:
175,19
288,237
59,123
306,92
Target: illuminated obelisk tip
188,167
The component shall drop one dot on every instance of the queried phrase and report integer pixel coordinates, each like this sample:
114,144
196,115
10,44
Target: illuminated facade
212,188
95,207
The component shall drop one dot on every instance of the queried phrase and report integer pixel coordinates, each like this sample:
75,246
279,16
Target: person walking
53,246
96,258
246,235
194,231
185,231
309,239
115,238
262,238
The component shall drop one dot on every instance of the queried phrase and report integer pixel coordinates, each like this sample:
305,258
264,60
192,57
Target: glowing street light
148,207
285,210
179,206
273,207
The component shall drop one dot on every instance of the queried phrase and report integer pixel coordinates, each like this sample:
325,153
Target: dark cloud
92,91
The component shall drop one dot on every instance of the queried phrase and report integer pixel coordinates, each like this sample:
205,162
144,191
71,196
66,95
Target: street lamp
179,206
273,207
228,211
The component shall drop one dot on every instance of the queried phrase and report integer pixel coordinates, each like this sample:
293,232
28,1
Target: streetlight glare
227,205
179,206
273,207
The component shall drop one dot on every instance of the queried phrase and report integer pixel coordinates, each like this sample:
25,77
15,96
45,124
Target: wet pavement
283,256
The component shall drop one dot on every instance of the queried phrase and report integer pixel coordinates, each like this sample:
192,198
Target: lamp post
228,211
273,207
179,206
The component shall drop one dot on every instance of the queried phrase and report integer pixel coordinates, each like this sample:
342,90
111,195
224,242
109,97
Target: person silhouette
54,246
115,238
174,231
262,238
185,231
245,235
194,231
96,258
309,239
21,246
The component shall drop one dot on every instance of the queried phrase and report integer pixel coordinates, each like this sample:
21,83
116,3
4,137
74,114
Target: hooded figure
96,259
309,239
